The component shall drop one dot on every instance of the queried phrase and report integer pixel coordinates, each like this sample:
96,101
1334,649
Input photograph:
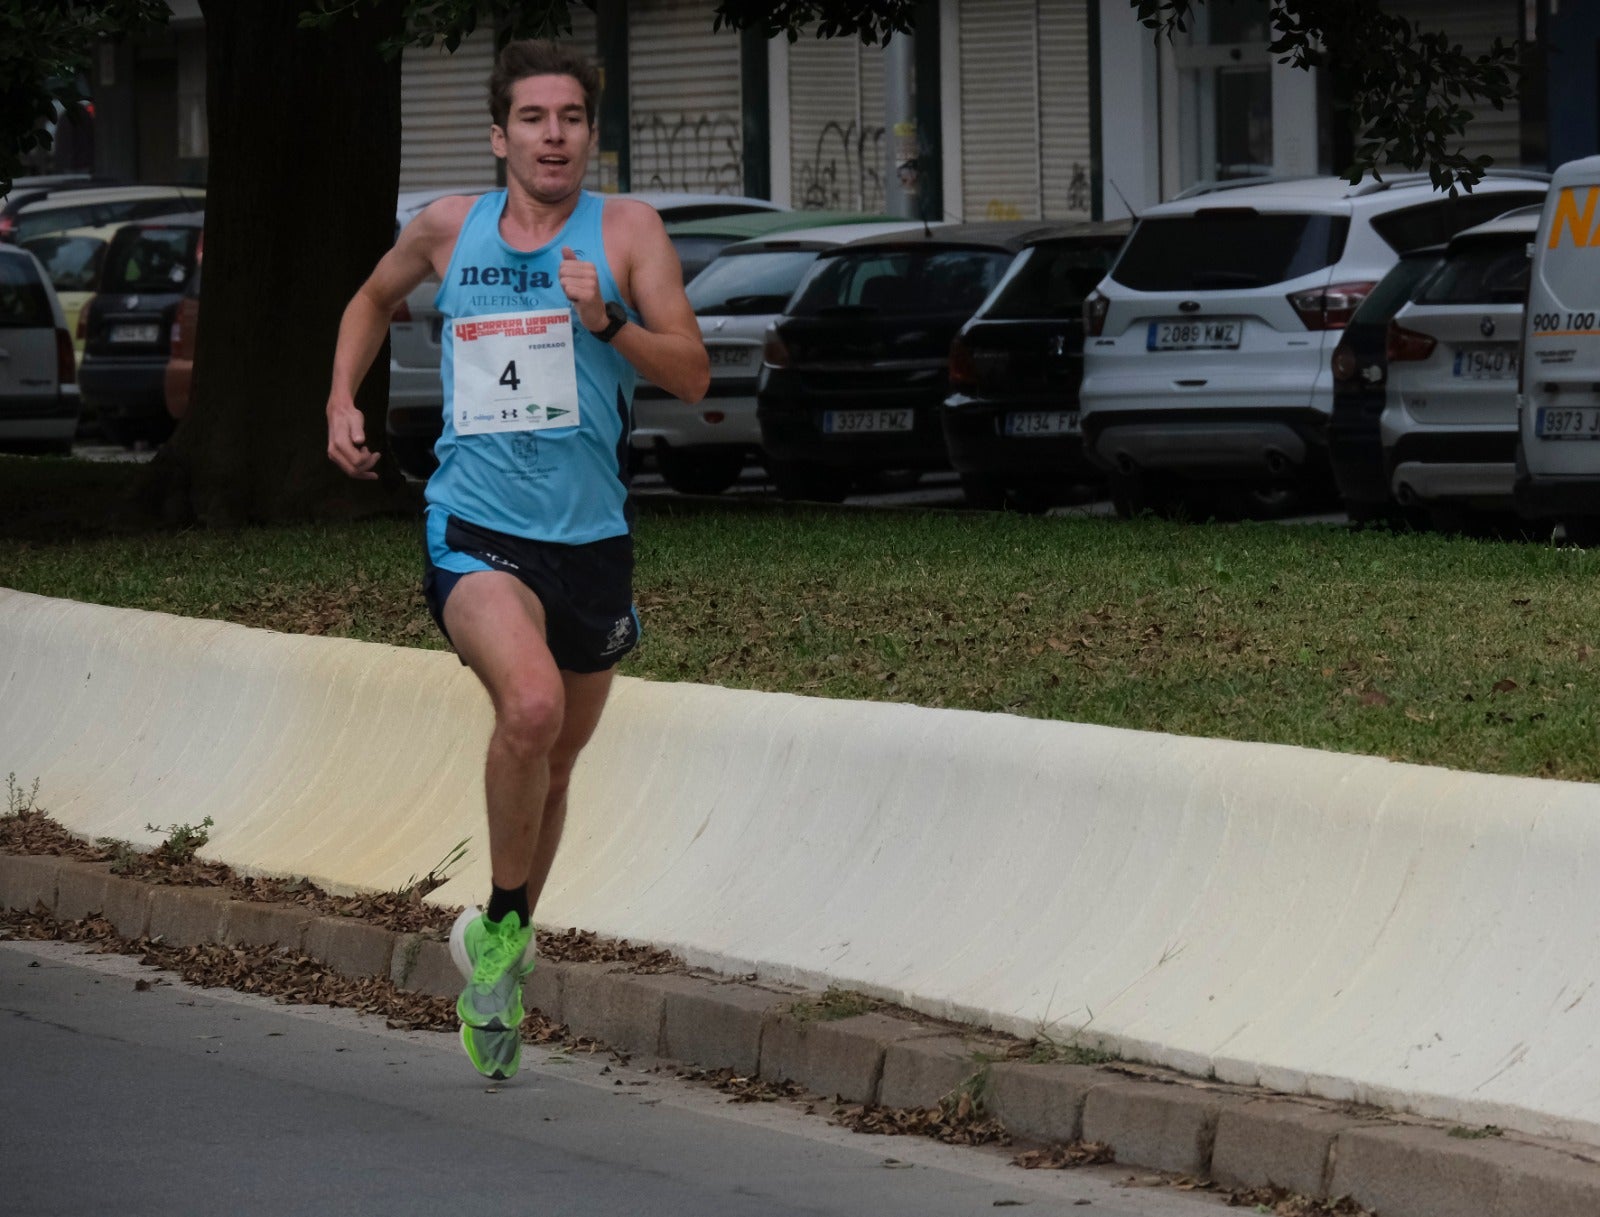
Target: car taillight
963,368
66,366
177,332
83,319
8,228
1407,345
1331,307
1094,314
403,313
773,352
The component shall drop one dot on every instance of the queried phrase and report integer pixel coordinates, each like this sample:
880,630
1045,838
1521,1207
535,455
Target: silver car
416,399
702,449
1449,422
38,387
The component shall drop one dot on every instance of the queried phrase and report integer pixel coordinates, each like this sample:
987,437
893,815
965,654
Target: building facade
1050,109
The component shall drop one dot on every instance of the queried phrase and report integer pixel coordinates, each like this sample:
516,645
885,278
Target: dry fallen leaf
1505,686
1376,697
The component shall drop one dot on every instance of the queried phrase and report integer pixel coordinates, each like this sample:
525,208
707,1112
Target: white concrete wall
1338,925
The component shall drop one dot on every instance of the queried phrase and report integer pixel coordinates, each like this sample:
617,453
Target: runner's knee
528,718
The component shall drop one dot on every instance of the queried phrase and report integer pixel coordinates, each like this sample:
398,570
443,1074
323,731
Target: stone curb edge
1241,1138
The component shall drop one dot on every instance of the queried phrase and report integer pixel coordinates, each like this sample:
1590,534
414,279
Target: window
750,283
1395,289
1220,248
73,263
22,296
1052,278
902,282
150,260
1485,270
1436,222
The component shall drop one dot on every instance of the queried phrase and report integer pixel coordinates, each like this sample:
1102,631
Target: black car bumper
132,390
976,441
796,427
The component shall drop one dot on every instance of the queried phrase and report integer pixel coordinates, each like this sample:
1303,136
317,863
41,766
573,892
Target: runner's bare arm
666,349
366,322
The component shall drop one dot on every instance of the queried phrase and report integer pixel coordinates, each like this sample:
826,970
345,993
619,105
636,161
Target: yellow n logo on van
1568,216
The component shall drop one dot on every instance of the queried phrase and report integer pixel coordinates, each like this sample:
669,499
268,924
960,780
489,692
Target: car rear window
23,301
1435,222
695,253
1395,289
1489,270
1220,248
750,283
1052,278
150,260
72,263
901,282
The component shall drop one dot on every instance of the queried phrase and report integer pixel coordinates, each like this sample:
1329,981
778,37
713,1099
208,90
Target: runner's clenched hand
581,282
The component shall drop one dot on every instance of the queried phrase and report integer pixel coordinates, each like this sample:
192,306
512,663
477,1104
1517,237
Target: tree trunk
300,205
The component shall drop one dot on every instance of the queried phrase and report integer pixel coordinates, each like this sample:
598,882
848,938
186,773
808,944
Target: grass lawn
1472,654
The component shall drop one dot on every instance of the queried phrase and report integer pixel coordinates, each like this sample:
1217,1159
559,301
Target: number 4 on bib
514,372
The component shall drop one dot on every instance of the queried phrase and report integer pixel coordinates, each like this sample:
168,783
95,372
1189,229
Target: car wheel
414,456
1582,530
709,472
810,482
983,492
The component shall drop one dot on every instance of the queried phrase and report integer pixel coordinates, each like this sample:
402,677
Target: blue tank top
560,482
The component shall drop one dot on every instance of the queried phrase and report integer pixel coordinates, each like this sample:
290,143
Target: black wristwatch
618,318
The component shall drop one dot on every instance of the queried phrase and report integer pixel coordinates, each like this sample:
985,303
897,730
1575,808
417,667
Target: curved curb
1241,1138
1315,923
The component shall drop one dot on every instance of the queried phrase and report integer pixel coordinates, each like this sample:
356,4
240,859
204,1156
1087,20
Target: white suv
1206,380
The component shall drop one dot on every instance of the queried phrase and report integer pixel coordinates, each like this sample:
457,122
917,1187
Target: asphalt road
174,1100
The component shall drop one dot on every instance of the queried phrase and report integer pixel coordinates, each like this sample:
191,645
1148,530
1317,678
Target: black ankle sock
503,900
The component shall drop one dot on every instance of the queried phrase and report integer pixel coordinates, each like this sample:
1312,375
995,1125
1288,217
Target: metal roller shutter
686,127
999,110
1064,109
836,139
1475,24
444,109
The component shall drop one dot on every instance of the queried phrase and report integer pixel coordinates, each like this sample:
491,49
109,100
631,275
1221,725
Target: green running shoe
496,950
495,1054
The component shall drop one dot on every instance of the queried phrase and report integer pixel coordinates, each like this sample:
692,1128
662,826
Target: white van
1558,449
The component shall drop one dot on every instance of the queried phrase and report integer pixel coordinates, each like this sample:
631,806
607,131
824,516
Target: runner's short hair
540,57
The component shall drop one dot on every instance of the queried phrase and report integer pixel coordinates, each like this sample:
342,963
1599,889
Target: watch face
616,312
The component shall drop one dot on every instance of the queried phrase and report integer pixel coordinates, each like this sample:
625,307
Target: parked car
1449,425
855,371
1011,419
1207,380
1558,456
416,400
32,188
72,259
38,393
111,205
702,449
697,242
128,332
1360,384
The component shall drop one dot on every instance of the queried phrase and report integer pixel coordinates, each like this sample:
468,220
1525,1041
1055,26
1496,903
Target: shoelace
501,953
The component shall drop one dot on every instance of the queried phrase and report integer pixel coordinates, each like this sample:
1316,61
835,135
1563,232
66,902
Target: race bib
514,372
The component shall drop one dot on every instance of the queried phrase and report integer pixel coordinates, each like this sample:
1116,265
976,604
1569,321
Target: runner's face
547,137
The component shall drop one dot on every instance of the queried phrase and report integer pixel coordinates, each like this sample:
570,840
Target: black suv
1011,419
855,372
128,326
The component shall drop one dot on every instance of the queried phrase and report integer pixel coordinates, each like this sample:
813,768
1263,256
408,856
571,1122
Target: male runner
554,300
